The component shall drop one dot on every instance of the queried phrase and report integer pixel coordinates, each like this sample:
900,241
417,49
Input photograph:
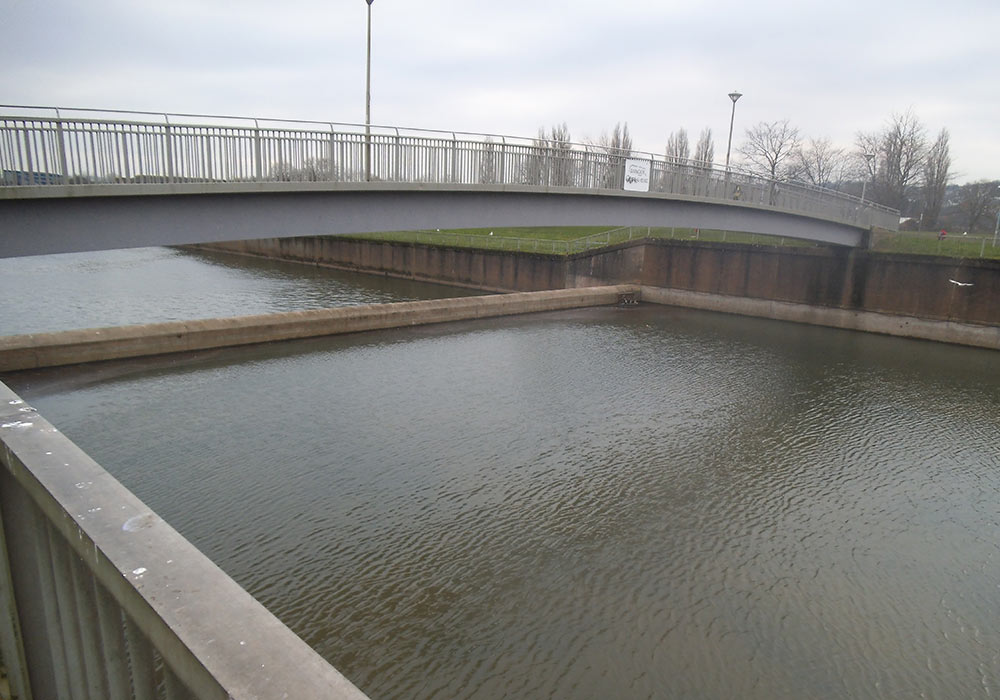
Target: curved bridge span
88,183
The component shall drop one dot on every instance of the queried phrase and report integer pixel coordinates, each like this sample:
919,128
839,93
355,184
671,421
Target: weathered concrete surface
919,286
91,345
868,321
489,270
218,640
913,287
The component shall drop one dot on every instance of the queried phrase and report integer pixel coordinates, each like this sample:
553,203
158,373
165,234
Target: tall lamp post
733,96
869,157
368,98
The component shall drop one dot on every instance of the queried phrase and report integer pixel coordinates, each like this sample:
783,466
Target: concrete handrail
99,597
103,599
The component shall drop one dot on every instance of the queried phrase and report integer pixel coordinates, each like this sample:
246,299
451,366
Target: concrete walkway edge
867,321
32,351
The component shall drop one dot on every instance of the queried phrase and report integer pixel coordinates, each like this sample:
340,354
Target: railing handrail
569,164
109,587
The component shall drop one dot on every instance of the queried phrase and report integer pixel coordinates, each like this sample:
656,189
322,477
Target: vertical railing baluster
94,152
68,624
331,175
90,633
126,161
28,161
168,138
174,689
11,641
141,662
503,161
209,160
113,644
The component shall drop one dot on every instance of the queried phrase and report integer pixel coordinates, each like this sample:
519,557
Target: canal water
638,502
147,285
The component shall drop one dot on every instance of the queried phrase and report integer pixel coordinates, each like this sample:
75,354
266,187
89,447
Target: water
146,285
640,502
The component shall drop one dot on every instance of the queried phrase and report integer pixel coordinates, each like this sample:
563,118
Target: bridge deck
81,184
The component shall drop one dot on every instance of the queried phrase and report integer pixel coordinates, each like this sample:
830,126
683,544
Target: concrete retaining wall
838,278
868,321
914,288
490,270
31,351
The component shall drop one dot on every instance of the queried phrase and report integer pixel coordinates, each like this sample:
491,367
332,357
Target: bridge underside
44,224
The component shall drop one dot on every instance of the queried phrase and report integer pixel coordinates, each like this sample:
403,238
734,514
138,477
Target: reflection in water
643,502
147,285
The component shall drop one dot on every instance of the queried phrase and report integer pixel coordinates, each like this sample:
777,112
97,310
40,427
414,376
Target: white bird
961,284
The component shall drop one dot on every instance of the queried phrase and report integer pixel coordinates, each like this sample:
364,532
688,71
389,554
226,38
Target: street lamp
869,157
733,96
368,98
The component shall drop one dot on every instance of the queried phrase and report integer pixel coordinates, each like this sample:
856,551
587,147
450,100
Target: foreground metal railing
42,146
99,598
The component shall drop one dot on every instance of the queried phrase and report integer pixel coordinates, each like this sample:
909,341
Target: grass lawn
573,239
565,240
928,243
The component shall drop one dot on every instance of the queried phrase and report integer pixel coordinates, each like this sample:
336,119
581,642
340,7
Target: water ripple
600,503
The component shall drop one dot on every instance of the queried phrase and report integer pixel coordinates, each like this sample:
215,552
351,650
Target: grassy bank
931,243
566,240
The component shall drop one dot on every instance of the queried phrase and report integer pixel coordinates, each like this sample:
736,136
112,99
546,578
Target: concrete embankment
945,299
18,352
868,321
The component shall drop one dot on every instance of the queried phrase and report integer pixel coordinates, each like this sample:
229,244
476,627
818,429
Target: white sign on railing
637,175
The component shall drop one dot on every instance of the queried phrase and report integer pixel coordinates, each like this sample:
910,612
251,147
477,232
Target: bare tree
550,162
678,147
487,164
704,152
936,176
770,148
977,200
562,165
312,170
619,142
900,150
535,170
821,163
618,147
560,134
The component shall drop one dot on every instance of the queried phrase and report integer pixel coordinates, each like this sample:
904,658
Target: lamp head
735,96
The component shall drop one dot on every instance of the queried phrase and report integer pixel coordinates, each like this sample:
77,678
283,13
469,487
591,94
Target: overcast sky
511,66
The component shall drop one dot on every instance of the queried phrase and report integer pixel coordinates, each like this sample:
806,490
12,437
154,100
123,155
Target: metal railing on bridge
41,146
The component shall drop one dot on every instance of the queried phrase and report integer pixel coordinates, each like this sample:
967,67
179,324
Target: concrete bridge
115,180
